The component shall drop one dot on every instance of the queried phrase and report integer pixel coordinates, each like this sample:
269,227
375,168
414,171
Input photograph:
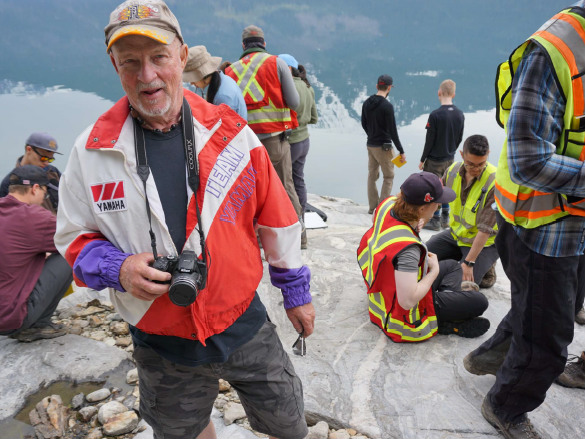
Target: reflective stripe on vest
563,38
381,239
463,219
246,77
267,112
426,330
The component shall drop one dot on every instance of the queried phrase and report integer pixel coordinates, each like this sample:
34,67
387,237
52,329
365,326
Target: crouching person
411,296
33,276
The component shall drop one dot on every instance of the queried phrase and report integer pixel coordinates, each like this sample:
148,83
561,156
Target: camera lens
183,290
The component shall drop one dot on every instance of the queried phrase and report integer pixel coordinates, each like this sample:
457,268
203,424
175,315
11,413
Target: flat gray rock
28,366
354,374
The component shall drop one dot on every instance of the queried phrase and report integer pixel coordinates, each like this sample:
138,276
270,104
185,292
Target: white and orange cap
149,18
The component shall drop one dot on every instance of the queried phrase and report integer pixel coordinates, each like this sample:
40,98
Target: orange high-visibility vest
257,76
378,247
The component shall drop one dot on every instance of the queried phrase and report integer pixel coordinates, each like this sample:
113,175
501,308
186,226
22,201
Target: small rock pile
103,413
108,413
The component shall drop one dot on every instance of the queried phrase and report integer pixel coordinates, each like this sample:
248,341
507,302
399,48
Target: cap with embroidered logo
43,141
425,187
252,32
149,18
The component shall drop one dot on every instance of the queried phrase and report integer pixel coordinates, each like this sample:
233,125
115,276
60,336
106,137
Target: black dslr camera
189,275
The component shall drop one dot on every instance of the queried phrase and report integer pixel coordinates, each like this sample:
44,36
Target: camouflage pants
177,400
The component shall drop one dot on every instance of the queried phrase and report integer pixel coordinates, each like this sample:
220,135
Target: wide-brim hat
149,18
200,63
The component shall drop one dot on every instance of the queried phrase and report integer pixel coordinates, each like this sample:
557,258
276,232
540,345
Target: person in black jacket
380,125
444,134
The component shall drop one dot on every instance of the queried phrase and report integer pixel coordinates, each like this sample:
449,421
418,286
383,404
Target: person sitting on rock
472,230
412,296
39,150
33,275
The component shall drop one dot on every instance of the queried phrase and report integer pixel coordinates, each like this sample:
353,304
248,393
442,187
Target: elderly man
163,170
270,94
33,276
39,150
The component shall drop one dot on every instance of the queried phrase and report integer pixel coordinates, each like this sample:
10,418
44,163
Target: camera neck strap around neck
192,170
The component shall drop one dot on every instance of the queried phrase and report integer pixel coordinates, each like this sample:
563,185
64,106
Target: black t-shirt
165,153
444,133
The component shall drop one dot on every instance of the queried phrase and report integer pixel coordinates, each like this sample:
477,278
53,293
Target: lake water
336,164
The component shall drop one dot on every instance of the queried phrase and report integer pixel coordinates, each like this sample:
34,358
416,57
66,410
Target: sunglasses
44,158
300,346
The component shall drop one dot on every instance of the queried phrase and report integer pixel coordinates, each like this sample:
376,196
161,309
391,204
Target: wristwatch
468,263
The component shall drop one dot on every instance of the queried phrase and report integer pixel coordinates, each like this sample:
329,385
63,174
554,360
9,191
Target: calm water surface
336,165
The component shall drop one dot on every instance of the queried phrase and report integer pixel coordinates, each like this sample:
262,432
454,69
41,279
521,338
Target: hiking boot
489,362
445,221
580,317
467,328
371,211
31,334
574,373
489,279
468,285
522,429
433,224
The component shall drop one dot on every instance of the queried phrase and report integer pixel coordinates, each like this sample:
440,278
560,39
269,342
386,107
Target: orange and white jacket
102,219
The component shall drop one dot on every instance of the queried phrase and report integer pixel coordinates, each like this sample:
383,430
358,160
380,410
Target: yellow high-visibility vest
463,219
563,38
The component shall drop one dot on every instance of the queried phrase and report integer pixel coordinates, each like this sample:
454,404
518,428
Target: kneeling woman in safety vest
411,296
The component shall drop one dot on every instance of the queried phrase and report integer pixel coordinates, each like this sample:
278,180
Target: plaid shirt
534,128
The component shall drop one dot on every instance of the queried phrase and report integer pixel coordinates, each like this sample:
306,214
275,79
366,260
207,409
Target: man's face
151,74
474,164
38,157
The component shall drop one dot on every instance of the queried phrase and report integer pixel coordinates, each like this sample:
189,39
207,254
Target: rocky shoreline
110,412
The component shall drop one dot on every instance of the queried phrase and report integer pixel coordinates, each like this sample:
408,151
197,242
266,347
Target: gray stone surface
28,366
353,375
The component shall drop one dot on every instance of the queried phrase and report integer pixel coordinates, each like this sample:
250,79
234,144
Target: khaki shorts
177,400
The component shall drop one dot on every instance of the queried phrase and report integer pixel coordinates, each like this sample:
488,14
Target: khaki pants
279,153
378,158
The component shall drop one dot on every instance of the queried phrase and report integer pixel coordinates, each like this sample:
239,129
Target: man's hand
421,165
467,272
303,318
403,158
137,276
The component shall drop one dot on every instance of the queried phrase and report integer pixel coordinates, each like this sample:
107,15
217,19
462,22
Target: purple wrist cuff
294,284
98,265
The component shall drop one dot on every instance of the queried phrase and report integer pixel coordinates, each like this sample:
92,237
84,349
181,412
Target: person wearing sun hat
411,296
31,283
163,172
202,71
39,150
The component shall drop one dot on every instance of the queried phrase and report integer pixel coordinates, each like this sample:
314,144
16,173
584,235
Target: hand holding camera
138,278
189,275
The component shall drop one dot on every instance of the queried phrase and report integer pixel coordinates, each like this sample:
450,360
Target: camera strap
192,170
